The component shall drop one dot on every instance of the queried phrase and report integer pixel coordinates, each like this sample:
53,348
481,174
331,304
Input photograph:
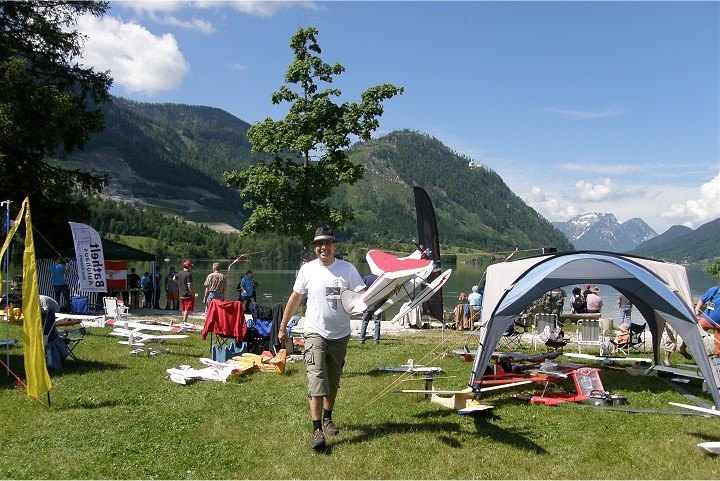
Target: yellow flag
38,379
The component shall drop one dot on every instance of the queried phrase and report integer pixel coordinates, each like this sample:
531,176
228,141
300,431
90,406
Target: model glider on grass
136,334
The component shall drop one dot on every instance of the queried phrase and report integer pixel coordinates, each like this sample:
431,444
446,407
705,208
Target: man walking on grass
326,330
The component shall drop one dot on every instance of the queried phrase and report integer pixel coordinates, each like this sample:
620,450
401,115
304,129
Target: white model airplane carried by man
397,277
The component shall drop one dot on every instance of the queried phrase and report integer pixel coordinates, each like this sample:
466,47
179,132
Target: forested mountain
681,244
474,207
172,157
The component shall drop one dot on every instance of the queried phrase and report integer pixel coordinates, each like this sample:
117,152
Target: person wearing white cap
326,328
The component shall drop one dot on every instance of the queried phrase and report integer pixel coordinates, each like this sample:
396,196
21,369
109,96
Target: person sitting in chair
623,335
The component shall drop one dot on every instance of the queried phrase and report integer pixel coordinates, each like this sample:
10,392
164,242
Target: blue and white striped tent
659,290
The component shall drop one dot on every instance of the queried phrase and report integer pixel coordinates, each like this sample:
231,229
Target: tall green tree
288,194
49,106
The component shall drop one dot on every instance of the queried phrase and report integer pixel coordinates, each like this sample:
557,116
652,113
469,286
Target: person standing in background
594,301
133,282
185,288
156,282
61,291
625,309
215,284
245,290
171,291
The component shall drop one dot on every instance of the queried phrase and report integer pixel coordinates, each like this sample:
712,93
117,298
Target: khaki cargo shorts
324,361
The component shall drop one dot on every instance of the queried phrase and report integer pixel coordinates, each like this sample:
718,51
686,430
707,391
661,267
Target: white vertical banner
90,259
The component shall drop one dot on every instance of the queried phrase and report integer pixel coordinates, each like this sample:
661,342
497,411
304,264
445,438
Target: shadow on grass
445,429
706,438
70,366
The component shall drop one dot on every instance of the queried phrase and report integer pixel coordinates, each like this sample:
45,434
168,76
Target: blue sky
579,106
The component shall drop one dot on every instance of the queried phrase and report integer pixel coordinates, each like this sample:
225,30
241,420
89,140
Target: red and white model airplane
397,277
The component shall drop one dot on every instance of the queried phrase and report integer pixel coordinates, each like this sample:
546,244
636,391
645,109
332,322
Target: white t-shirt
325,315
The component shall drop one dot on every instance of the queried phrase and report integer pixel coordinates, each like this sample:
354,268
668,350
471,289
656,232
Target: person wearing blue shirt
475,299
146,286
60,287
707,310
245,288
370,313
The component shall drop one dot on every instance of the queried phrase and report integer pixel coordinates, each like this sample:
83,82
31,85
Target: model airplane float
397,277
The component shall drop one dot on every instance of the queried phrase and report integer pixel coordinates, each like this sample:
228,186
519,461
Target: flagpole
6,228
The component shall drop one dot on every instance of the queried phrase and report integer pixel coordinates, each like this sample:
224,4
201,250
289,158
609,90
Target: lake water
276,281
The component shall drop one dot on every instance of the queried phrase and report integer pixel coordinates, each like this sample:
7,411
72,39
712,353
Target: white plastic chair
114,309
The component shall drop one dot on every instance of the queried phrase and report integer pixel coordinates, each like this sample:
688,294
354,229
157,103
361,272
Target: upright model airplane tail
430,244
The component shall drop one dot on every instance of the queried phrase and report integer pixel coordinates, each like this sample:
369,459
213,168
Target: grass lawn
117,416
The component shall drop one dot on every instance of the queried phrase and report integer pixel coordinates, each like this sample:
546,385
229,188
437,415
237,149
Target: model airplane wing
433,287
697,408
146,325
138,338
393,272
384,263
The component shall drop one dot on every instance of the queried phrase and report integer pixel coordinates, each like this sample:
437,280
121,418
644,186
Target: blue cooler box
79,305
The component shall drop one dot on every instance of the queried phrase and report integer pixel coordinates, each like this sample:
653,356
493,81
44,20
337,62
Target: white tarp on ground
659,290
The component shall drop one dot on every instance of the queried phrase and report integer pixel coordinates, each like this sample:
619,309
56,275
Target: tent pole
6,228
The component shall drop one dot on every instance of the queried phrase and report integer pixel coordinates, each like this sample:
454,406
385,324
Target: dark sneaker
329,427
318,440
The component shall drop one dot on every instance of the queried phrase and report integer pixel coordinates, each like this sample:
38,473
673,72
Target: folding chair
71,338
588,333
512,338
636,338
225,322
114,308
540,322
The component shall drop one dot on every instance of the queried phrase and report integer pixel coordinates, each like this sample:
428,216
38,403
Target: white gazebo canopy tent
660,291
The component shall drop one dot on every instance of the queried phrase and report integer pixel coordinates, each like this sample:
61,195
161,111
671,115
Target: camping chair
636,338
114,309
512,338
225,322
540,322
263,328
59,344
71,338
588,333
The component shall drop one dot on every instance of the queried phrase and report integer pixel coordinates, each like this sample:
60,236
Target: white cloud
695,212
268,9
595,192
551,208
138,60
264,8
203,26
612,111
